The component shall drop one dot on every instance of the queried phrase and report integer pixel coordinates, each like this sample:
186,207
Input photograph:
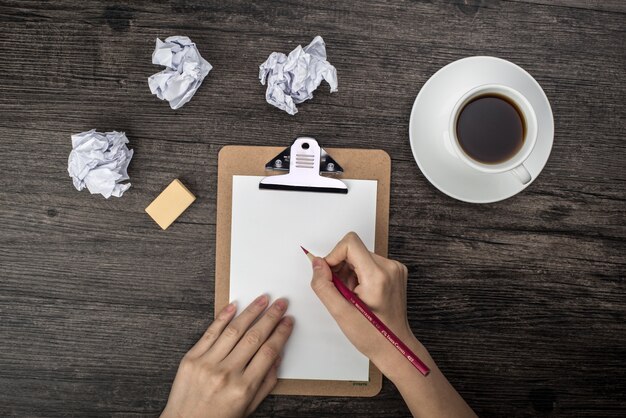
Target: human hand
232,368
377,281
381,284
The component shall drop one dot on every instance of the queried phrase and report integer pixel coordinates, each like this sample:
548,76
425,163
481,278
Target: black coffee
490,129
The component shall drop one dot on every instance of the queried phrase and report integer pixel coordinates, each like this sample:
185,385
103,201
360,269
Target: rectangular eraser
170,204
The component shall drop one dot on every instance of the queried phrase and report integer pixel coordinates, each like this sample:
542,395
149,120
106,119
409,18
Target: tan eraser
170,204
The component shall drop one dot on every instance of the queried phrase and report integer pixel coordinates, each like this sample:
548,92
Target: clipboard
251,161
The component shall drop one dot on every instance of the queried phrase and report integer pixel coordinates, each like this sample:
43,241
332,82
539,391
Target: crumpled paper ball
99,161
184,73
292,79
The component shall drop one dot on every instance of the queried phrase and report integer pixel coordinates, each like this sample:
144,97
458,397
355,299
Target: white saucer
429,125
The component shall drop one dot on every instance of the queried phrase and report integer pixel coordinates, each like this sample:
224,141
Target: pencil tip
303,249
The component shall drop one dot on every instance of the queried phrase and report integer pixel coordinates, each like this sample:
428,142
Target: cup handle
522,174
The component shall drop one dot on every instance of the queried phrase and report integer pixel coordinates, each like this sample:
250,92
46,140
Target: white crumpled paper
99,161
292,79
184,73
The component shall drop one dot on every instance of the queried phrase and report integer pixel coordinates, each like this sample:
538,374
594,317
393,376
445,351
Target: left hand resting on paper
233,366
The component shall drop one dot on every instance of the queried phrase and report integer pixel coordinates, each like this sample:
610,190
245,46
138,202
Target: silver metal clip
306,160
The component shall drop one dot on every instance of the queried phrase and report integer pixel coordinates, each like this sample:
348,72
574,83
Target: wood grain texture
522,302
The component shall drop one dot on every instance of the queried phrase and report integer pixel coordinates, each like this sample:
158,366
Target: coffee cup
493,129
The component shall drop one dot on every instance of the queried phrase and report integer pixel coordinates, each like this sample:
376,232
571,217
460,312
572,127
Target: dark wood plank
521,302
603,5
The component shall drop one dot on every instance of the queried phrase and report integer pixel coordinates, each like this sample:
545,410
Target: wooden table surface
522,302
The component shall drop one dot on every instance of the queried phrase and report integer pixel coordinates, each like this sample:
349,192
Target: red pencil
378,324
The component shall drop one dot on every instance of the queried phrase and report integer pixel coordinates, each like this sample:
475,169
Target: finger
344,272
393,268
265,389
384,263
338,267
268,352
352,282
214,330
352,250
236,328
341,266
323,286
247,347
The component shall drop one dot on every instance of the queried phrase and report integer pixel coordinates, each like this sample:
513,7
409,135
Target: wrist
167,413
394,365
170,412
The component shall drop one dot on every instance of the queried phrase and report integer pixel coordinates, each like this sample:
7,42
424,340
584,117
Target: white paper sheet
268,227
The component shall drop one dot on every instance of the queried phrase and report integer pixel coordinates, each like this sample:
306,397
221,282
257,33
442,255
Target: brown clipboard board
250,161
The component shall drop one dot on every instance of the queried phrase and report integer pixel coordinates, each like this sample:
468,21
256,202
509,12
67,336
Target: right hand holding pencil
381,284
377,281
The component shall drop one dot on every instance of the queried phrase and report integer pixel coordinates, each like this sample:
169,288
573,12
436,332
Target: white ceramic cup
514,164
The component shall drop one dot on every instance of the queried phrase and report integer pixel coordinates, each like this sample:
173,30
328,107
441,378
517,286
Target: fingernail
278,361
261,300
281,304
287,321
228,310
317,263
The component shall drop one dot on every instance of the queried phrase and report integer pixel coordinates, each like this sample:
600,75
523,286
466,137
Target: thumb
320,268
323,286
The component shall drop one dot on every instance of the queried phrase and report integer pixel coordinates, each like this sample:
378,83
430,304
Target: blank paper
268,227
